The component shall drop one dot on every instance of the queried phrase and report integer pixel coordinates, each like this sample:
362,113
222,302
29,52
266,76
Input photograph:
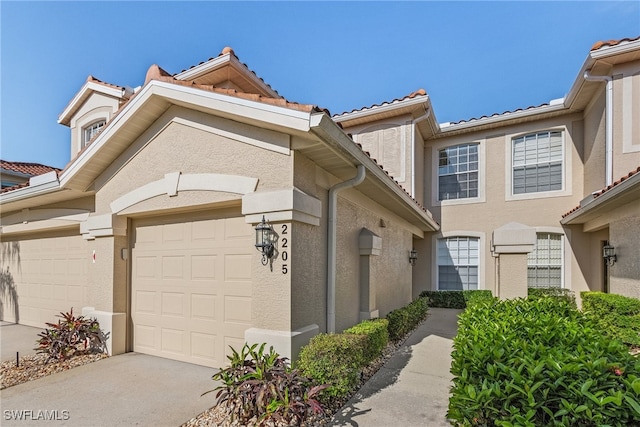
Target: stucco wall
594,144
626,126
625,273
181,148
495,205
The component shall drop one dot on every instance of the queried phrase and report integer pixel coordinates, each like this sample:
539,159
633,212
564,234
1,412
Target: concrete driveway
127,390
17,338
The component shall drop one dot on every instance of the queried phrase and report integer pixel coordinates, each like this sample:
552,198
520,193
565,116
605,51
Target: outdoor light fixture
609,254
264,240
413,257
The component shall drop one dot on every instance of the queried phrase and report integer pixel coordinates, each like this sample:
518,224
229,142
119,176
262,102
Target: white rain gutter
331,244
414,122
608,123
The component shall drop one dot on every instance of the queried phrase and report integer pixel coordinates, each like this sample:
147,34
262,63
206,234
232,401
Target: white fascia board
30,191
324,127
204,68
602,199
213,64
607,51
381,109
286,117
444,128
89,86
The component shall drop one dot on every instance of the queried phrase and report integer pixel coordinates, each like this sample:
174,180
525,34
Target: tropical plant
262,385
71,336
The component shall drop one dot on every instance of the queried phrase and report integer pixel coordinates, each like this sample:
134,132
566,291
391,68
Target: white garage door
191,287
50,276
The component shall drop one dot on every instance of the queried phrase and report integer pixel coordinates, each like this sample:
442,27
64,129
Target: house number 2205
285,248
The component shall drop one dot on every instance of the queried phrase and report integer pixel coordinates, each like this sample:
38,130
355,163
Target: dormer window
92,130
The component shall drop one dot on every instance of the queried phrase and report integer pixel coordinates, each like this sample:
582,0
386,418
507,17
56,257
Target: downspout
414,122
608,123
331,244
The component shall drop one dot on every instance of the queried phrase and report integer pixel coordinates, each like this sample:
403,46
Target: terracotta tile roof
32,169
598,45
157,73
607,188
474,119
225,51
94,80
419,92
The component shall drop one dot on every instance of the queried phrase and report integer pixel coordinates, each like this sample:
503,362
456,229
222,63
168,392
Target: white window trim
435,162
458,233
566,167
83,131
566,249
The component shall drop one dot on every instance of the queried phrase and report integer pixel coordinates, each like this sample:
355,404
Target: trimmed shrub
539,362
566,294
617,316
405,319
377,334
336,360
455,299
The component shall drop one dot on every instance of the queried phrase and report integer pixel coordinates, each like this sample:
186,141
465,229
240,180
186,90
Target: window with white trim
92,130
544,263
458,172
537,161
458,261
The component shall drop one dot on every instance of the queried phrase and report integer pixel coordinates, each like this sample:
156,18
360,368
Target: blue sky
472,58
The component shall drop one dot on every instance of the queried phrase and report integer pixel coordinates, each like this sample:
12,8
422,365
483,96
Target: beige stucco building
151,226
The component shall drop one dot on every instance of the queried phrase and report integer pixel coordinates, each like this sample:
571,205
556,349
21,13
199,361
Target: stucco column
370,245
510,245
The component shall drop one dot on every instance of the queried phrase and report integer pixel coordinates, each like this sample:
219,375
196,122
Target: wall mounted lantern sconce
264,240
609,254
413,257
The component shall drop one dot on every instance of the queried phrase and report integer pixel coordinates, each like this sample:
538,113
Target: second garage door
191,287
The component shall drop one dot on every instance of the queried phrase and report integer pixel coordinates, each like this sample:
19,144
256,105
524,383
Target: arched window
91,131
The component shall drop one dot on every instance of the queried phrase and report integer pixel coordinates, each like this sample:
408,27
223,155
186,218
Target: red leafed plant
71,336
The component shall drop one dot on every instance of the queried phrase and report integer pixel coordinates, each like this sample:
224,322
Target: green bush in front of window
539,362
562,293
618,316
455,299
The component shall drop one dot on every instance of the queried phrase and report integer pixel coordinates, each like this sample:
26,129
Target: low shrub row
616,315
540,362
405,319
562,293
338,359
455,299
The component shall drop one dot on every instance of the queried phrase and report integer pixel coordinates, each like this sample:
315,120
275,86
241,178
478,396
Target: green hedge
617,316
539,362
377,335
334,359
566,294
405,319
455,299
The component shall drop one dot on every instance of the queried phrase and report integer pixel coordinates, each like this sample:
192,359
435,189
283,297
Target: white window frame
435,181
563,267
458,233
457,173
566,166
87,128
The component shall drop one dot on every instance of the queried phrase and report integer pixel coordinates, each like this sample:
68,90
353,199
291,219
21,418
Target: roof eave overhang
368,112
89,87
324,128
221,61
603,202
247,111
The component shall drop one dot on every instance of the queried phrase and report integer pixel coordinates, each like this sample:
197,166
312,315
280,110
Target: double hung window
458,172
537,161
544,264
458,261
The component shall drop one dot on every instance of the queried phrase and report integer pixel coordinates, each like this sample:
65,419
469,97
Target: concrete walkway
412,388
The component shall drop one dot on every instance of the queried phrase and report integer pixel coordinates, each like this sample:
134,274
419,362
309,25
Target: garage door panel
191,283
